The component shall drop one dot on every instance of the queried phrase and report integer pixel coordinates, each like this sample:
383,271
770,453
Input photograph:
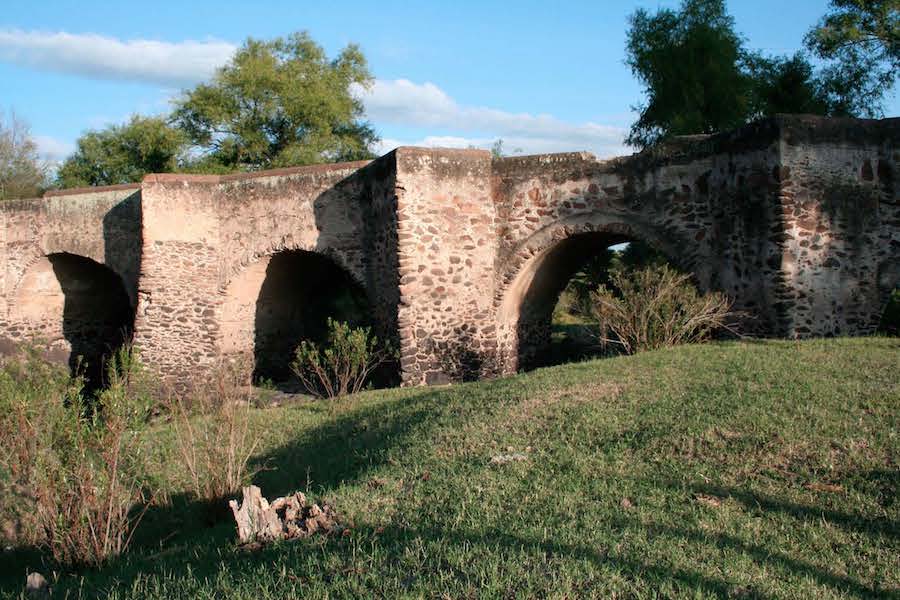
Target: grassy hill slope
753,469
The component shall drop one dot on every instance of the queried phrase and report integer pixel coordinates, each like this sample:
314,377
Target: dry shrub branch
657,307
71,464
213,433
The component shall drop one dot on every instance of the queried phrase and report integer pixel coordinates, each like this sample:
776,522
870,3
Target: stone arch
539,268
77,306
279,299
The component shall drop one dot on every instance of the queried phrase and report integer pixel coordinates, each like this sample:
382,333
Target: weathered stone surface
462,256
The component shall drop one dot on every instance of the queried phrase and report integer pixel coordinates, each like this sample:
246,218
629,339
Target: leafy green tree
279,103
689,61
860,39
699,78
123,153
22,173
784,85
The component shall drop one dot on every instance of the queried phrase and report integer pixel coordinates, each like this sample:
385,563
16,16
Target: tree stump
289,517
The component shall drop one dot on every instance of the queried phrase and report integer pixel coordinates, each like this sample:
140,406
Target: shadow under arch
300,290
889,289
98,317
541,268
97,313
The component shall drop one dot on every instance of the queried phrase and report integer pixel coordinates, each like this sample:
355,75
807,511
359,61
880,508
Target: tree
860,39
22,173
784,85
699,78
279,103
498,149
123,153
690,64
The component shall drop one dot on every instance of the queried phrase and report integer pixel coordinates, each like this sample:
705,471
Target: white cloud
51,149
417,107
402,102
90,55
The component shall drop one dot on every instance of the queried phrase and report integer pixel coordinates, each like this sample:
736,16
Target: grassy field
746,470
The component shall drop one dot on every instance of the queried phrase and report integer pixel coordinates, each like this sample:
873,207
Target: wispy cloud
426,106
100,57
51,149
421,107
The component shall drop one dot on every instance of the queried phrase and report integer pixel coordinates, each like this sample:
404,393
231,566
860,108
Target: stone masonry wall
461,255
695,199
80,223
841,206
447,245
208,240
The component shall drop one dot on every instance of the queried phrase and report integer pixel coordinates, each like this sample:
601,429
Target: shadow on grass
348,446
211,555
180,540
762,503
638,567
342,449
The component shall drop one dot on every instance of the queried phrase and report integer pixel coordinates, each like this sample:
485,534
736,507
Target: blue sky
543,76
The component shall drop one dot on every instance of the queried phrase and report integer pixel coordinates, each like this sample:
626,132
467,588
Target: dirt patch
581,394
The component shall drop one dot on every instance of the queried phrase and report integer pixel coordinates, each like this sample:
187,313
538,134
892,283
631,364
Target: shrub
213,433
343,364
70,463
656,307
33,395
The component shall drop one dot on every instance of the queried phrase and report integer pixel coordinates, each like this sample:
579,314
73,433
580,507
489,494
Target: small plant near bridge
213,434
71,477
343,364
656,307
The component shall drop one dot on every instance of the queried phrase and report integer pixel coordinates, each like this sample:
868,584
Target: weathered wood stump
289,517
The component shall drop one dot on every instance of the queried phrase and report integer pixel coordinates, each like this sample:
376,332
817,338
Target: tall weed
213,433
70,463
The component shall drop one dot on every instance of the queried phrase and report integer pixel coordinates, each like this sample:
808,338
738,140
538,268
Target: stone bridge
460,256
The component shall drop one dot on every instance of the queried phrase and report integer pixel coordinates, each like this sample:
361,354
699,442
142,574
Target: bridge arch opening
542,312
298,292
889,324
80,308
889,286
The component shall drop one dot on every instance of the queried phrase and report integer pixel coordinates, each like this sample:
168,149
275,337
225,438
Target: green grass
766,469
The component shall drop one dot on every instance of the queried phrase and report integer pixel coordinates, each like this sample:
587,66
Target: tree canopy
689,63
123,153
860,40
699,78
22,173
279,103
783,85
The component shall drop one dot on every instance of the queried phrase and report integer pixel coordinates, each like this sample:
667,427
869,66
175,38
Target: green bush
343,364
656,307
574,301
70,468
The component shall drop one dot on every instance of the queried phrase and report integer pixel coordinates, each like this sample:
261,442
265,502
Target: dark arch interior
581,259
300,291
98,317
890,318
